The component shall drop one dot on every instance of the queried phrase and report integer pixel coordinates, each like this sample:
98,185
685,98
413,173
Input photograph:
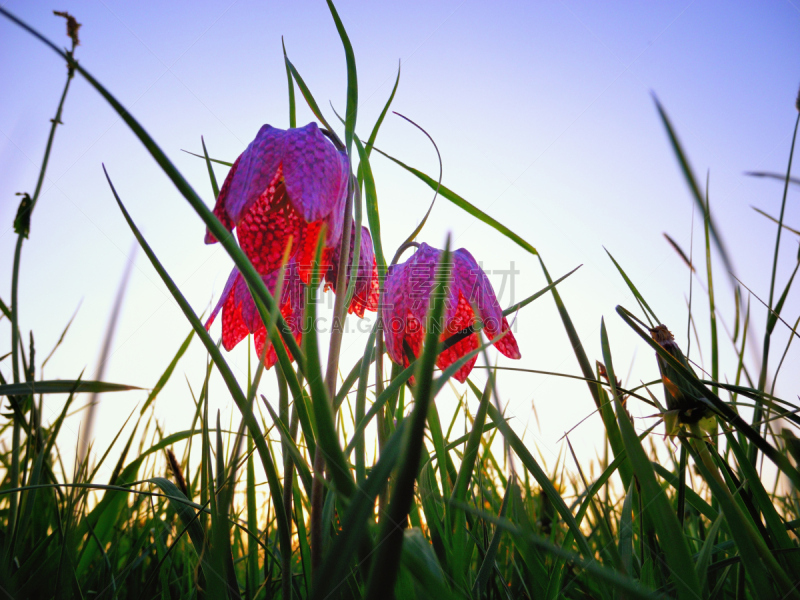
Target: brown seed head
72,26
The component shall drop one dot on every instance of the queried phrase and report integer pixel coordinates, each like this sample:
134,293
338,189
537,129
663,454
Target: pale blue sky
542,112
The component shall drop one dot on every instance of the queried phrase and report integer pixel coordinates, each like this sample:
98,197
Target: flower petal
367,287
256,168
452,354
472,282
268,226
225,292
220,210
316,175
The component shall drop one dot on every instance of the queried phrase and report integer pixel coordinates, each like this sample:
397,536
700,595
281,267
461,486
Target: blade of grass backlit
309,98
292,106
162,381
533,467
693,187
639,298
352,80
464,205
374,134
385,567
63,386
227,376
673,542
712,310
211,176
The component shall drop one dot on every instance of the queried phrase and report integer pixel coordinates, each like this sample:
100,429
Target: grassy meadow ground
454,504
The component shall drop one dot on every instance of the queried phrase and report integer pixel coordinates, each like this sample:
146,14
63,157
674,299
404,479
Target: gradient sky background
544,118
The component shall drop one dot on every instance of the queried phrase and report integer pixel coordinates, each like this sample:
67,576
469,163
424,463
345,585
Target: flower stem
339,308
15,339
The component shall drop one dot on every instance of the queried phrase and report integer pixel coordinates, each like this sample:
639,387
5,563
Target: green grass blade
373,216
291,447
464,205
65,386
309,98
383,574
212,178
488,563
352,81
639,298
374,134
162,381
712,309
292,106
327,438
227,376
693,187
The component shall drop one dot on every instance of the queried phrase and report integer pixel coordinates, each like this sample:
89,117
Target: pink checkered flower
407,298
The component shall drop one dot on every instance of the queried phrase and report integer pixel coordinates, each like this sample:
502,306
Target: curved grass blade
374,134
464,205
312,104
352,81
385,567
162,381
227,376
292,106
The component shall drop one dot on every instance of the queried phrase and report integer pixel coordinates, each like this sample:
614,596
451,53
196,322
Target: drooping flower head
287,183
240,316
684,404
367,287
407,298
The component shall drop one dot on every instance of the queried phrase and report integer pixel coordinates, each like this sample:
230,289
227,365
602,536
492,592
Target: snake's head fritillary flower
240,315
367,288
287,183
407,297
683,400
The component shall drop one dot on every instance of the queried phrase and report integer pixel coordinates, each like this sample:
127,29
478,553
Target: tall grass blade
385,567
162,381
352,80
227,376
464,205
